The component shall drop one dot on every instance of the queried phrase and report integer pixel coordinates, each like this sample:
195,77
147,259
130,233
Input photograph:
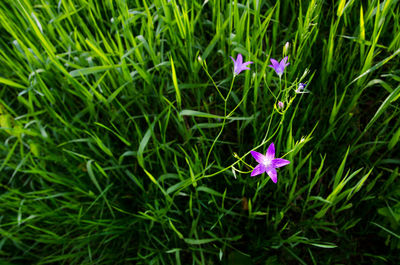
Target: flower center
266,162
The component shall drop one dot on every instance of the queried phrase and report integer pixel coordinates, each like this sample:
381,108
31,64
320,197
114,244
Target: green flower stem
223,122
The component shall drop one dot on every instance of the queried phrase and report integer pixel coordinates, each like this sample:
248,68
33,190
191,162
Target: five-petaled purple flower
268,163
239,65
279,67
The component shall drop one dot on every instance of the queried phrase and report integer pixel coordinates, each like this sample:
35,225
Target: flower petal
273,67
247,63
238,69
239,59
283,64
244,68
259,169
270,152
280,69
257,156
279,162
233,59
272,174
274,62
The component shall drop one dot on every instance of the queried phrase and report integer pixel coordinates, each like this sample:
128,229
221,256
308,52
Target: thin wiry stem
223,123
212,80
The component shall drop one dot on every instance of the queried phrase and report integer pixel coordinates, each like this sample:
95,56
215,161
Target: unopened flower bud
286,48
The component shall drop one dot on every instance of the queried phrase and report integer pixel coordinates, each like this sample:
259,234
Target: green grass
126,140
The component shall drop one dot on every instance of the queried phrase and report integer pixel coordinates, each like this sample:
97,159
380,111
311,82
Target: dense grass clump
125,136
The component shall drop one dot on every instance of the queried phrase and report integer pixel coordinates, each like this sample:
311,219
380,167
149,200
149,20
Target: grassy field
126,136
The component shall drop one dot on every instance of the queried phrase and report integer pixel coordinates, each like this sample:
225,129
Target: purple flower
302,89
268,163
280,105
239,65
279,67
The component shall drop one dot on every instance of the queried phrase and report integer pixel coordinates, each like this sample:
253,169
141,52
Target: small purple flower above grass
302,89
280,105
268,163
279,67
239,66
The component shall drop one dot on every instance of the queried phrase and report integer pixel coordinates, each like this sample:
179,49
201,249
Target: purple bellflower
279,67
268,163
302,89
239,66
280,105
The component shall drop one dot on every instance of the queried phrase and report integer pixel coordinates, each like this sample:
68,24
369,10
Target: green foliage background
109,109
